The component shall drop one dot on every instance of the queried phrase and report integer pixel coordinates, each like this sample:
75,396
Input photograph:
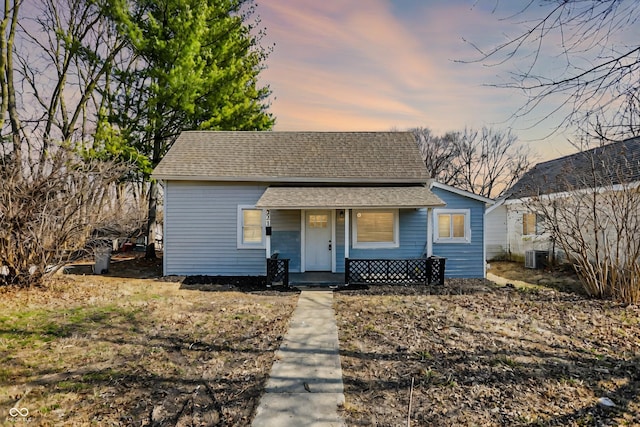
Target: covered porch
319,228
419,271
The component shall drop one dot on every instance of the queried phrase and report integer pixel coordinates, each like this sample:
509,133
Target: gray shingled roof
612,164
347,197
345,157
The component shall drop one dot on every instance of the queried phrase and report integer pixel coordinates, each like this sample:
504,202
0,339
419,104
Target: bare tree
49,218
66,54
594,83
490,161
59,182
8,106
484,162
595,220
596,63
438,153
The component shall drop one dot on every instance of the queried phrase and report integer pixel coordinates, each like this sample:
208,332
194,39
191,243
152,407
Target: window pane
252,217
458,225
252,226
318,221
252,235
444,225
452,226
539,224
375,227
528,223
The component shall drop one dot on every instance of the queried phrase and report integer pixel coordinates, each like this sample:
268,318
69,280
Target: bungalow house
232,199
516,222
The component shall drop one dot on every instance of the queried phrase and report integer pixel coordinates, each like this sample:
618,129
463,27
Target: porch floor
316,278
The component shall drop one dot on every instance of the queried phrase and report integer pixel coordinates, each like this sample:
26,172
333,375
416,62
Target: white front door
318,243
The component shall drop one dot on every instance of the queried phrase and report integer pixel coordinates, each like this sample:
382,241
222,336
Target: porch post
333,243
267,242
303,237
429,232
346,233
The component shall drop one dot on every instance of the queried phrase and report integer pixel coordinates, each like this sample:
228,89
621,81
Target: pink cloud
347,36
342,57
341,65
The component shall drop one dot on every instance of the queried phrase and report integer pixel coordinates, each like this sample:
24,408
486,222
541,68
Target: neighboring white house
495,231
515,224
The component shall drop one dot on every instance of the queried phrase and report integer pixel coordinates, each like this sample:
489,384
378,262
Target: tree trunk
151,220
8,87
153,200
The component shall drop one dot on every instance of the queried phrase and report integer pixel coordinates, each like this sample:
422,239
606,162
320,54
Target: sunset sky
394,64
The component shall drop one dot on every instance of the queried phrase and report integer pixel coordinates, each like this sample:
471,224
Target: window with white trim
452,226
376,228
250,227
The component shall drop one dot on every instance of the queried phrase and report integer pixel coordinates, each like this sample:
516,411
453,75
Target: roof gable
462,193
612,164
357,157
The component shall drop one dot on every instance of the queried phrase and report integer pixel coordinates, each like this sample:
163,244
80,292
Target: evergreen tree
192,64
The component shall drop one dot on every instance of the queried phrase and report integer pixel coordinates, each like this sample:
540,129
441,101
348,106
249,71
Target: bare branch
601,67
52,217
595,222
484,162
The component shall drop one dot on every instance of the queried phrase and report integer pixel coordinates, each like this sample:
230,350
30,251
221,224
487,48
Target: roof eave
315,180
390,206
461,192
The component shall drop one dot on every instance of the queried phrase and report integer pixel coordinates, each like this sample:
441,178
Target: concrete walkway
498,280
305,385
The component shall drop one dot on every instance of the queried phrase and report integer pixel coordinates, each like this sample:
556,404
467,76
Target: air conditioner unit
536,259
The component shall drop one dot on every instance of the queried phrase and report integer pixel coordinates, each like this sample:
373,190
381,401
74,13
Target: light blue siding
286,237
463,259
200,234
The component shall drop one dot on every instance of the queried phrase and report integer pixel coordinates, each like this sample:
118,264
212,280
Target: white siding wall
200,229
496,232
608,214
518,244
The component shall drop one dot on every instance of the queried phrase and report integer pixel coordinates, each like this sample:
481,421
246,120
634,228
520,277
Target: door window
318,221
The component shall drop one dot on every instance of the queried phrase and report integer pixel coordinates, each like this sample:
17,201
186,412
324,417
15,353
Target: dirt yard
561,278
476,354
130,349
118,350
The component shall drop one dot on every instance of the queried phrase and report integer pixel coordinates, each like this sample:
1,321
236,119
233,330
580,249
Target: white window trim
467,226
239,225
376,245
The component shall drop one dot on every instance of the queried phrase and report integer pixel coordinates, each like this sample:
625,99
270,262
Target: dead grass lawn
94,350
116,350
488,356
